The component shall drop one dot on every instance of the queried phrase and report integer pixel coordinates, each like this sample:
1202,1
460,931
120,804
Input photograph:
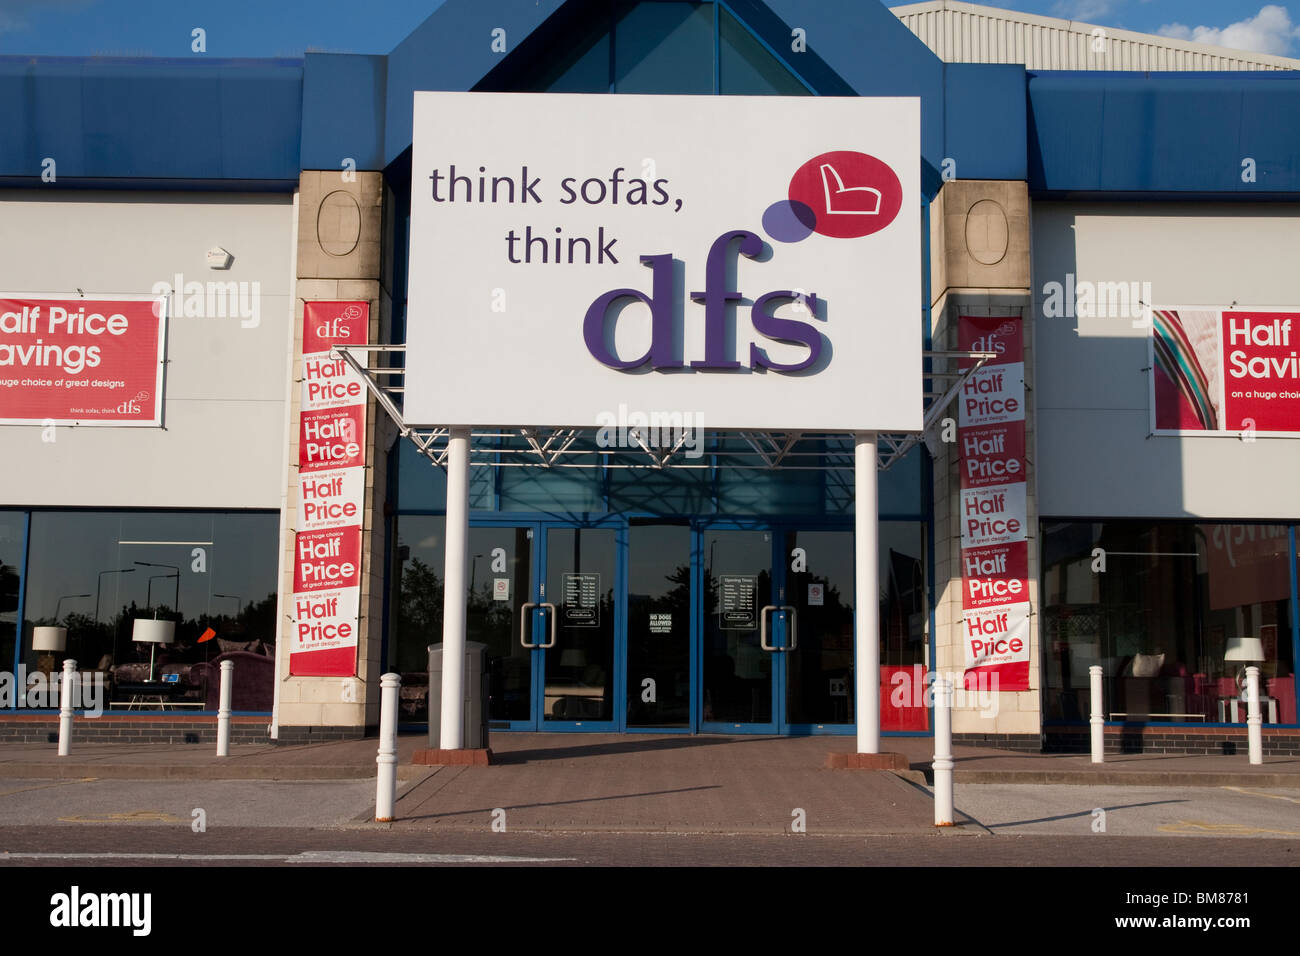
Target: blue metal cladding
984,121
1182,133
344,99
453,50
151,118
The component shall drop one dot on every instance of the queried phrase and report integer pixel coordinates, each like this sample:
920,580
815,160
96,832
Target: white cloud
1270,31
1087,10
14,13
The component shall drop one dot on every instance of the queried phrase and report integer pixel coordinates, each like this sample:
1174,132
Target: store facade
1049,520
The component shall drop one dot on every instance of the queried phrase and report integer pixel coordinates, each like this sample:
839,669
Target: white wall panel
1096,454
224,412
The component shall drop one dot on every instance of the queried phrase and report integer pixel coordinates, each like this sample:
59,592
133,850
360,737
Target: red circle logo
850,194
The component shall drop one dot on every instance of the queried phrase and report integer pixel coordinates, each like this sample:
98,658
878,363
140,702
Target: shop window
746,68
1173,613
11,562
98,574
664,48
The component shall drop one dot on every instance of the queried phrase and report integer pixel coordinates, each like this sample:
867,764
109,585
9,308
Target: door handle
762,631
553,615
526,619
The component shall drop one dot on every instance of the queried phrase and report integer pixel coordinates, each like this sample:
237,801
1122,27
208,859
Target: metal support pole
866,588
65,706
1098,718
223,708
386,786
455,591
943,752
1254,721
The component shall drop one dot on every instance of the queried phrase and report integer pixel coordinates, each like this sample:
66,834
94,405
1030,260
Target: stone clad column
338,259
980,267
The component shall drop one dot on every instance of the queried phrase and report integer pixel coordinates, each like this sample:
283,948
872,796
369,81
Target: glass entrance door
746,627
575,620
819,670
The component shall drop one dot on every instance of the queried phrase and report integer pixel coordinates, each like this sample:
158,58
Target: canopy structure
552,447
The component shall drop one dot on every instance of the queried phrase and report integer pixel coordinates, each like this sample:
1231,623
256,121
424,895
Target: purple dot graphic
789,221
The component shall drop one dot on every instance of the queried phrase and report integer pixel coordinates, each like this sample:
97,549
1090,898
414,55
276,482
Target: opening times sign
994,516
331,494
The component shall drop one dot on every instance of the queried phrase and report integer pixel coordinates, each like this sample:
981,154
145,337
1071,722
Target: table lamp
151,631
1247,650
50,640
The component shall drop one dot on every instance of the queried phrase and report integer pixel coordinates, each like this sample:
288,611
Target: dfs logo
132,406
340,326
838,195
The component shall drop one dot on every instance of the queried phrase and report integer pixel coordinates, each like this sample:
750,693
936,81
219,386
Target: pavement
629,753
649,784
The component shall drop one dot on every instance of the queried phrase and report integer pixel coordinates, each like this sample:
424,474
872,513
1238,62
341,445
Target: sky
269,28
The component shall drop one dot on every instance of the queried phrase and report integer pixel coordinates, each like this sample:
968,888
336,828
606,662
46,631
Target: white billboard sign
752,261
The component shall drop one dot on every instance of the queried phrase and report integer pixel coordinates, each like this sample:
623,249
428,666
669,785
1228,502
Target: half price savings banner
331,494
994,533
82,361
1225,372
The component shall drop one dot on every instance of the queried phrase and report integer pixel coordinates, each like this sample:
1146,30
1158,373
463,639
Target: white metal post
65,707
455,592
1098,718
943,752
1254,721
386,786
866,588
223,708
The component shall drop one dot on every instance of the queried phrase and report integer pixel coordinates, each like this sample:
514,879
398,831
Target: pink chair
1283,689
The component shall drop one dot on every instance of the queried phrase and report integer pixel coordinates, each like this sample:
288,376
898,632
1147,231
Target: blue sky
263,28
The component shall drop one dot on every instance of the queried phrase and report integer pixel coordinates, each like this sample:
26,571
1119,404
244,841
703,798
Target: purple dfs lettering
716,297
836,195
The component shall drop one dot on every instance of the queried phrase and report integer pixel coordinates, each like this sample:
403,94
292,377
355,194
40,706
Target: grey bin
476,696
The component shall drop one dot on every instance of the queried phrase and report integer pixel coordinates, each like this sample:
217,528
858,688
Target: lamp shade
49,638
151,631
1244,649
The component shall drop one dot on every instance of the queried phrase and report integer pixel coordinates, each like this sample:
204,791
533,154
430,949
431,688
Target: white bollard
66,696
1098,719
1254,721
223,709
386,787
943,752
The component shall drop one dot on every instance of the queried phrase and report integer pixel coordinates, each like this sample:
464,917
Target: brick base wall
316,735
145,729
1020,743
1206,741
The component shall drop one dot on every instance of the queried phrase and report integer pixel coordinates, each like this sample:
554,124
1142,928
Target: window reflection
213,575
1172,613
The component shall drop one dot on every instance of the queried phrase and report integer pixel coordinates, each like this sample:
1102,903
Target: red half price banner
82,361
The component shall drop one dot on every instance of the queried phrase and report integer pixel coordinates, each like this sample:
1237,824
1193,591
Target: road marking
1261,793
307,856
131,816
1227,829
46,786
367,856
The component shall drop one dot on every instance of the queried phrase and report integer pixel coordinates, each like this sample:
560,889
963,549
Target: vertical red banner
331,494
993,509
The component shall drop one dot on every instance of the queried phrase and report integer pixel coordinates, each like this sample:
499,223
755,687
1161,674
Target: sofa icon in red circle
844,200
846,194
